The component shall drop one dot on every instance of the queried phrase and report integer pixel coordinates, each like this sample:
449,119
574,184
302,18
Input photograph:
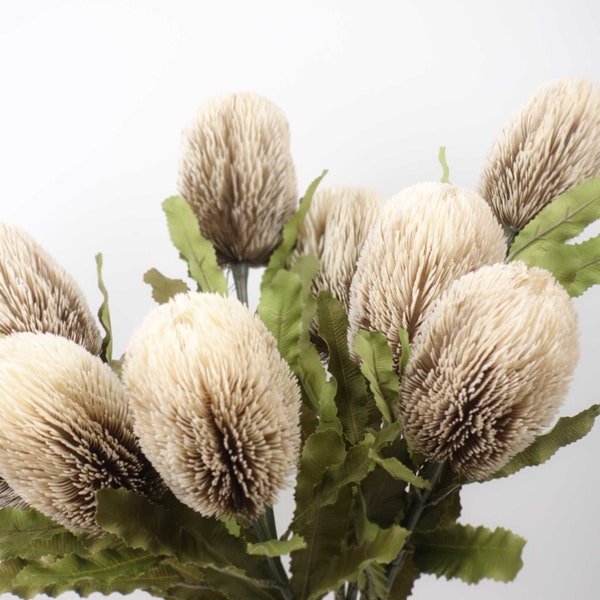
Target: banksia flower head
66,431
237,174
552,145
216,408
8,496
490,368
426,237
38,295
334,230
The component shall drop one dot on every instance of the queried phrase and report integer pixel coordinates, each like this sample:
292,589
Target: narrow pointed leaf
566,431
377,365
399,471
445,169
280,257
274,548
164,288
352,397
104,314
469,553
193,247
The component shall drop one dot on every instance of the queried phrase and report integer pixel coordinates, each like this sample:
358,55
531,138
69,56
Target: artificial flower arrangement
401,349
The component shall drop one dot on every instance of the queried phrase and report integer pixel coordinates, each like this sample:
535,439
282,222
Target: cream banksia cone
490,368
38,295
216,407
426,237
237,174
66,430
334,230
552,145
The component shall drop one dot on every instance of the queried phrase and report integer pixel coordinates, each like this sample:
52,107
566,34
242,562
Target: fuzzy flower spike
216,408
334,230
552,145
66,430
426,237
237,174
490,368
38,295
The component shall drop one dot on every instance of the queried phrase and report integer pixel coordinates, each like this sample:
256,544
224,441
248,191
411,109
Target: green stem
412,518
265,529
352,593
239,270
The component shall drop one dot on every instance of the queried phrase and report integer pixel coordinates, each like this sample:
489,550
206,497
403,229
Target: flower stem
412,518
239,270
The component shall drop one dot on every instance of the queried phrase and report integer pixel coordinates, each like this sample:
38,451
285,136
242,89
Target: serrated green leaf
9,569
282,308
380,546
324,535
405,580
104,314
377,365
280,257
164,288
83,575
352,397
399,471
542,242
193,247
566,431
469,553
385,498
30,535
274,548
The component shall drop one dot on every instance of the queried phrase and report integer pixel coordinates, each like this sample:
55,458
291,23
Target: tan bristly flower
426,237
216,408
38,295
8,496
490,368
66,430
550,146
334,230
237,174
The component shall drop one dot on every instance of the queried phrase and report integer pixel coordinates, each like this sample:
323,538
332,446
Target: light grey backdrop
94,95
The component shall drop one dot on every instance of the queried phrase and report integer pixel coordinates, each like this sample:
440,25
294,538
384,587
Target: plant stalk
240,270
412,518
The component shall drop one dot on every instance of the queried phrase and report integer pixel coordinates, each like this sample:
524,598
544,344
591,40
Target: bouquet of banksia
401,349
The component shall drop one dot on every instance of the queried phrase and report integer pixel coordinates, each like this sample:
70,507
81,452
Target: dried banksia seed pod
216,408
237,174
38,295
490,368
66,430
334,230
549,147
426,237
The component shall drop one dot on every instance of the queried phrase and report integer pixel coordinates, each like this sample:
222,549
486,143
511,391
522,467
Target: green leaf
469,553
280,257
405,580
352,397
104,314
385,498
566,431
405,344
193,247
542,242
164,288
399,471
380,546
29,534
9,569
445,169
274,548
82,574
377,365
282,308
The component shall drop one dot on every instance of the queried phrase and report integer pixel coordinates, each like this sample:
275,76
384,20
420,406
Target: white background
94,96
